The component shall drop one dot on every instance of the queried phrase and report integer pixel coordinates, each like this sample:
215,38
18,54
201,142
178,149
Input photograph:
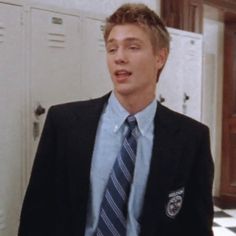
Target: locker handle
186,97
39,110
161,99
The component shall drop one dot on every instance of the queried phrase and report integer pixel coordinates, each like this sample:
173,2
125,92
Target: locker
180,85
192,76
169,86
55,64
12,112
95,79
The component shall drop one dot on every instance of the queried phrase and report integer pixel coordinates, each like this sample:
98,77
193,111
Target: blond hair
141,15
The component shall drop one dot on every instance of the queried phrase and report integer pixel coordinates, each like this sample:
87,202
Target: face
132,62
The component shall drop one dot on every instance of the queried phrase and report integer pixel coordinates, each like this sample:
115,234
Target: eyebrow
129,39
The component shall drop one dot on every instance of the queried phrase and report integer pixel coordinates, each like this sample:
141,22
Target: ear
162,56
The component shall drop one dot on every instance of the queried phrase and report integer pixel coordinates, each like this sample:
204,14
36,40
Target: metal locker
95,78
12,117
55,58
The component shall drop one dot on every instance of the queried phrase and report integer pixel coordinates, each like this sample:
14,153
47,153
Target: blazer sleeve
198,214
38,211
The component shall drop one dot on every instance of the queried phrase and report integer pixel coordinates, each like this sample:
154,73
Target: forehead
128,32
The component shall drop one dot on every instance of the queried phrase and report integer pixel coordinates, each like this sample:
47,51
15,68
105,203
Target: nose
120,56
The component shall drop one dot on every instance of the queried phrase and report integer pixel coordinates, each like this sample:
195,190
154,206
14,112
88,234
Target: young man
122,164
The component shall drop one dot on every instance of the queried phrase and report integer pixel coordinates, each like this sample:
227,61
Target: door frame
225,199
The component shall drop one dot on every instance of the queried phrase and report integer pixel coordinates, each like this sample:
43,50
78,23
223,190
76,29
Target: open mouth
122,73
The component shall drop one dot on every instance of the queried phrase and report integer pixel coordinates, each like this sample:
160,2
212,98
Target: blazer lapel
81,139
164,162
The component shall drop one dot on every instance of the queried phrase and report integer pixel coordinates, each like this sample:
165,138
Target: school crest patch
175,203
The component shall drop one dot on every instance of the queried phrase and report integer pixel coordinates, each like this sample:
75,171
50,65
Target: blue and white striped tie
114,207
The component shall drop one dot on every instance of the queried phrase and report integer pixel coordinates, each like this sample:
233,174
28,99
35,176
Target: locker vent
56,40
57,20
101,45
101,42
2,31
102,28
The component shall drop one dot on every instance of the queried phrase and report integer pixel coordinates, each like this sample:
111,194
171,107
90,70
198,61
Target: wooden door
228,174
183,14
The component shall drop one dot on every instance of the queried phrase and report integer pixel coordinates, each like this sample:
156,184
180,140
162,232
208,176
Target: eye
111,49
134,47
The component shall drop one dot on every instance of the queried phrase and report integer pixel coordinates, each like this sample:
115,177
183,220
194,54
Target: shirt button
116,128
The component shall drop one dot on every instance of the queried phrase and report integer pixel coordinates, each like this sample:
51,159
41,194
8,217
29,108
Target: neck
135,103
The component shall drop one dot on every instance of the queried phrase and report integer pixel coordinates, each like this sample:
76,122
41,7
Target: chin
124,91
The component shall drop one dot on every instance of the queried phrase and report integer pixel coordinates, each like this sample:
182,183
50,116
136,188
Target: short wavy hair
143,16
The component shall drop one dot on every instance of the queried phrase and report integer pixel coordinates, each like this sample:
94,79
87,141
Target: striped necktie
114,206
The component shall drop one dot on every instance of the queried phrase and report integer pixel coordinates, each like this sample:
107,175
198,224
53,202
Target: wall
213,35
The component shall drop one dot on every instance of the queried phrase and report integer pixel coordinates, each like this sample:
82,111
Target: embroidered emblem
175,203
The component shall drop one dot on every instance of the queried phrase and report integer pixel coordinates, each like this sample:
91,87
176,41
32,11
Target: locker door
169,87
95,77
11,117
192,75
55,64
180,84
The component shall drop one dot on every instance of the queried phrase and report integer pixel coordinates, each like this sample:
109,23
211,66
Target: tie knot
131,121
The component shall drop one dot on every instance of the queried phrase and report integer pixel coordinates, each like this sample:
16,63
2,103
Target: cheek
109,63
139,63
146,66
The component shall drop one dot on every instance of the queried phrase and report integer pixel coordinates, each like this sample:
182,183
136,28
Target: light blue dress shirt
110,133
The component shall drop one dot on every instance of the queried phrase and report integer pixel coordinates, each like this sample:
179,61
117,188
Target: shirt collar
146,116
118,114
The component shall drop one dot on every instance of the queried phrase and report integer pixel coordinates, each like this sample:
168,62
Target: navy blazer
178,197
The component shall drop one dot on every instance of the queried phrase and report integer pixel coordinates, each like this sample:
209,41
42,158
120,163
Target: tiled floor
224,222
